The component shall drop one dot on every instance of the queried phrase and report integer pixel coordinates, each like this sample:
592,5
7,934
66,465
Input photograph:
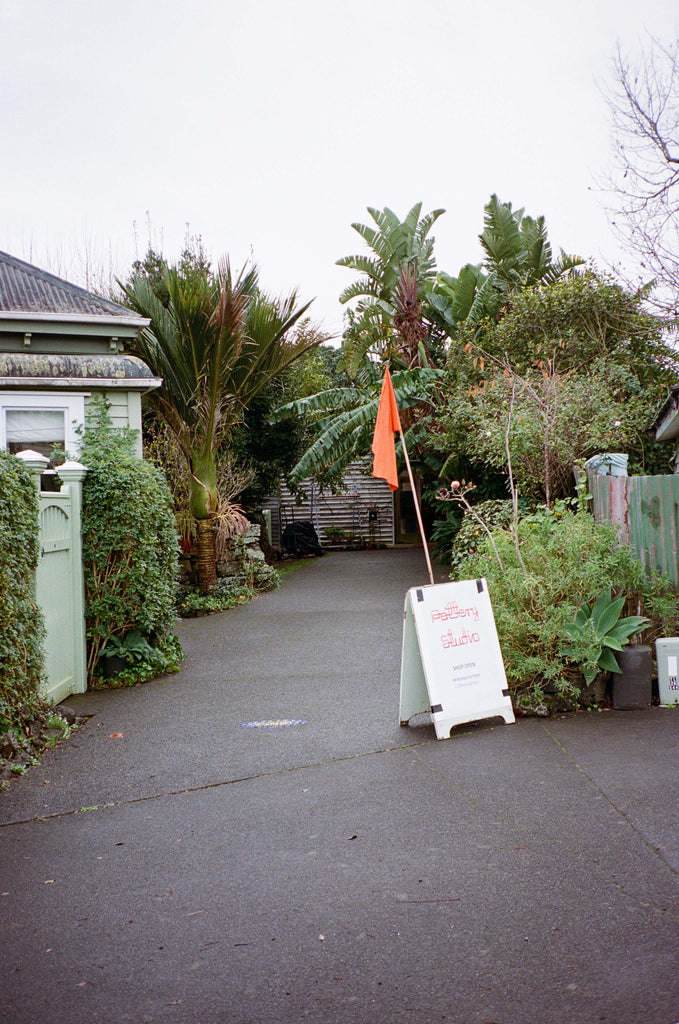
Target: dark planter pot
113,666
631,688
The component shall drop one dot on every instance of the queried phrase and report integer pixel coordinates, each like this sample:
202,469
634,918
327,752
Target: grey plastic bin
667,655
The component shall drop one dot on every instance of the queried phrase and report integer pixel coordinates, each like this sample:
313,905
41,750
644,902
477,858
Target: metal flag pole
416,501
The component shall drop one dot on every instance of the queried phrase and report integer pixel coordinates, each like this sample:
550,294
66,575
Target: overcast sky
270,126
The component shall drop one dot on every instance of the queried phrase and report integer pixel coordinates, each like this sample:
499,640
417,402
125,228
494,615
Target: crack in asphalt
441,775
611,803
211,785
560,842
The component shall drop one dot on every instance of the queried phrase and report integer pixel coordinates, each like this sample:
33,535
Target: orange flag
384,463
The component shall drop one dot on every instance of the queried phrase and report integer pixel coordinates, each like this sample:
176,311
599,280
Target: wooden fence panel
350,510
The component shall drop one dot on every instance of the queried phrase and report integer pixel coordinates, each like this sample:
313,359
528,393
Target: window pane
35,429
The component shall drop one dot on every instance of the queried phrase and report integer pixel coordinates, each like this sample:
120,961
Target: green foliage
130,549
579,319
518,253
133,647
443,534
568,558
396,247
346,419
518,256
159,660
571,370
272,449
21,624
228,592
217,341
596,632
59,726
193,262
471,537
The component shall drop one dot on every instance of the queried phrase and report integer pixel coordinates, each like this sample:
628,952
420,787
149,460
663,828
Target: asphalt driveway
256,840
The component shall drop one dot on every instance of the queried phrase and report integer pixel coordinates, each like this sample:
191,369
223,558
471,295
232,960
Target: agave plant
596,632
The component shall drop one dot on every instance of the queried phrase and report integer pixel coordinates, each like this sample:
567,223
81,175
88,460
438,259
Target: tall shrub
130,547
568,559
21,624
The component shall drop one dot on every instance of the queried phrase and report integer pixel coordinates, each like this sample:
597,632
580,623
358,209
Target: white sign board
451,663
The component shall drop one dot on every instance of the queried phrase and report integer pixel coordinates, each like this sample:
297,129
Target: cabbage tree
216,341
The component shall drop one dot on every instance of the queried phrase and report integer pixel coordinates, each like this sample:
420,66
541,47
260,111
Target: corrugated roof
19,366
27,289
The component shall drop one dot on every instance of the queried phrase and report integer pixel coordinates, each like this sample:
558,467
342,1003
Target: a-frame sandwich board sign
451,662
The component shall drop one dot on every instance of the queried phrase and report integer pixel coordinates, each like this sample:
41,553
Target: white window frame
72,406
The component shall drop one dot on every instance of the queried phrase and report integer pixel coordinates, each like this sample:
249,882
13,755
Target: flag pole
416,501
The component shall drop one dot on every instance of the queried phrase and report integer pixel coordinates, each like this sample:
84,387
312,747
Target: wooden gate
645,510
59,581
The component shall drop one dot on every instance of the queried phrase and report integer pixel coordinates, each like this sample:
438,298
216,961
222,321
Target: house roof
666,421
28,369
28,290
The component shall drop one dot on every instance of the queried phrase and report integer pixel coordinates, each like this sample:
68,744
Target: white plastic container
610,464
667,654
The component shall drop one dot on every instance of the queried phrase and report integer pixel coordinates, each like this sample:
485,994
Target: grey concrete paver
346,870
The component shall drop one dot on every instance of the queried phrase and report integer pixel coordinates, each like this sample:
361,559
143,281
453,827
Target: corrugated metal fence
645,510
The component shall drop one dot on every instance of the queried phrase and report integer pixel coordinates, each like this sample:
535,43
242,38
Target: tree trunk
207,562
203,502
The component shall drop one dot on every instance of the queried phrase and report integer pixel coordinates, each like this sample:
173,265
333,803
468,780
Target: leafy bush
471,536
145,663
443,534
130,547
21,624
568,558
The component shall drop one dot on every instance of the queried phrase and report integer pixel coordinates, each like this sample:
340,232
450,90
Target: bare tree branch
644,184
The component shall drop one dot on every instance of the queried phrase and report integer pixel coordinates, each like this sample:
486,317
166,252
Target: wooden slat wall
348,510
124,409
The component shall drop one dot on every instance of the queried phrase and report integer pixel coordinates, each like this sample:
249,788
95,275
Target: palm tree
401,267
518,252
216,342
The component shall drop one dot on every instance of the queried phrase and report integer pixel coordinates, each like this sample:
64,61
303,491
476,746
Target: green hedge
22,628
130,546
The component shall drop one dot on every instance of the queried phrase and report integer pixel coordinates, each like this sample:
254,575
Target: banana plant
344,419
518,255
399,250
596,632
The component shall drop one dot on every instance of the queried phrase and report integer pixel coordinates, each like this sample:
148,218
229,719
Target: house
60,346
